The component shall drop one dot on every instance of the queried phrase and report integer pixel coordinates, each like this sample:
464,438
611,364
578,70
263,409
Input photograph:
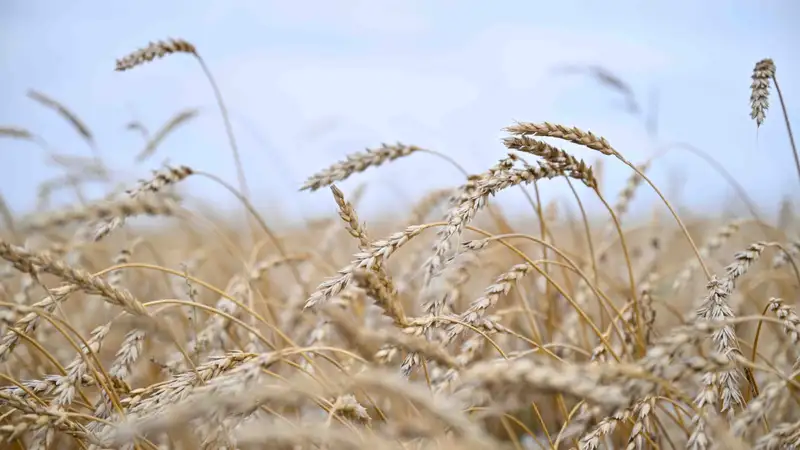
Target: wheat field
446,326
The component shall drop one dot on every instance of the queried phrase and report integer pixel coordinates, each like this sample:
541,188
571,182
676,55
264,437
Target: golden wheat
536,329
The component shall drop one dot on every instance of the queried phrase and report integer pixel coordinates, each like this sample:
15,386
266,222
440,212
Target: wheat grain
759,97
155,50
358,162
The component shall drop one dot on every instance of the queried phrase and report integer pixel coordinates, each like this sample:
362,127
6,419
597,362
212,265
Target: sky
308,82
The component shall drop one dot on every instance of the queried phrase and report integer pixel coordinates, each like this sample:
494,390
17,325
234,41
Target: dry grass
415,333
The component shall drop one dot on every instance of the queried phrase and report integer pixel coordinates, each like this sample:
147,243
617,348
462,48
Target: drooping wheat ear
348,407
162,48
29,323
642,413
782,436
64,112
43,422
625,196
591,440
547,152
378,252
29,262
609,80
714,243
15,133
470,202
155,50
462,194
382,293
523,377
501,286
358,162
359,231
121,209
45,386
784,258
771,397
743,260
66,386
349,216
172,124
117,277
104,228
126,356
161,179
488,187
571,134
589,140
759,97
791,323
156,397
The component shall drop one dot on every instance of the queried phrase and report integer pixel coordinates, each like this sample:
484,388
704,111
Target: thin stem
231,139
587,228
543,236
674,215
449,159
788,126
228,128
638,331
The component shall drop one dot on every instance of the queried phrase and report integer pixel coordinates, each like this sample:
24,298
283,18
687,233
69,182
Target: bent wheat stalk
162,48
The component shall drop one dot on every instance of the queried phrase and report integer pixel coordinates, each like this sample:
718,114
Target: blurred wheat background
573,225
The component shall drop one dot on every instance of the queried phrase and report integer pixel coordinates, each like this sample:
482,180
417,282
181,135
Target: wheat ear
162,48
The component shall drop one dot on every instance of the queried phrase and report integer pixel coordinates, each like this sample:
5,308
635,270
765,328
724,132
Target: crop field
137,322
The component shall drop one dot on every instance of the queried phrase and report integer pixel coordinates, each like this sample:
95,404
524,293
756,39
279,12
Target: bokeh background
309,81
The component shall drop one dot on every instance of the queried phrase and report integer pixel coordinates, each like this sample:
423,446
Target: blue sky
310,81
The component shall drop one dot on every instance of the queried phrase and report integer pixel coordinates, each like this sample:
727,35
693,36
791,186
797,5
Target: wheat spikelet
571,134
64,112
155,50
15,133
379,251
501,286
384,295
783,436
716,241
161,179
29,262
759,96
107,210
358,162
172,124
